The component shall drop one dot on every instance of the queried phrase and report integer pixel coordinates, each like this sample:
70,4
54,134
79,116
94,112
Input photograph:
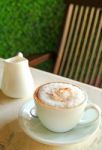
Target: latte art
61,95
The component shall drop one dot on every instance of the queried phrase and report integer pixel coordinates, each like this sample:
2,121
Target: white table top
11,135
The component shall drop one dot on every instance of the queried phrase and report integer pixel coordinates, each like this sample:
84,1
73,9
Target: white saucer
33,128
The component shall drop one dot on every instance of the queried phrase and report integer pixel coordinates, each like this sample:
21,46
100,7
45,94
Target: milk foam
61,95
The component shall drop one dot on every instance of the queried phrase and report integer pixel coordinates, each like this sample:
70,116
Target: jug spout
20,54
17,59
17,79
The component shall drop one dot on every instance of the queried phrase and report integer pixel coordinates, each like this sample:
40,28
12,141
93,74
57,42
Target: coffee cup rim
39,101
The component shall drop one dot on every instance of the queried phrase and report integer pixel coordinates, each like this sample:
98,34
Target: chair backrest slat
74,14
78,44
99,77
96,65
90,42
94,58
84,44
80,53
63,40
75,32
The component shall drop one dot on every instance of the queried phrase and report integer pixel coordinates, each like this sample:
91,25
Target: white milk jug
17,81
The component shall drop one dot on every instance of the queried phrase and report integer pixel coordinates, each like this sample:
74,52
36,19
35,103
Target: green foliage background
30,26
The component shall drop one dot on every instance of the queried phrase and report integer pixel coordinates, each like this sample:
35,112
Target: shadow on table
12,137
4,98
9,108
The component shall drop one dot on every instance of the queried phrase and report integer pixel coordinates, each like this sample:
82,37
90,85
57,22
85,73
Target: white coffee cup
59,119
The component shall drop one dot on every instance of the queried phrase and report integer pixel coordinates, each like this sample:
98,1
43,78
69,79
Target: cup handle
33,112
88,122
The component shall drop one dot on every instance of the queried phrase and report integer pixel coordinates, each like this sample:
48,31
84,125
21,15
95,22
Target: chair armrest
38,59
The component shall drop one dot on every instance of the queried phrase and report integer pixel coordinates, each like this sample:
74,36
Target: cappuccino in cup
60,95
60,106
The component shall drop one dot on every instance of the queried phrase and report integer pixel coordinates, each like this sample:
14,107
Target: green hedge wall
30,26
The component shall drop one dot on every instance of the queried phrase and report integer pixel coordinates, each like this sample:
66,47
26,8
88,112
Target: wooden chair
80,51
